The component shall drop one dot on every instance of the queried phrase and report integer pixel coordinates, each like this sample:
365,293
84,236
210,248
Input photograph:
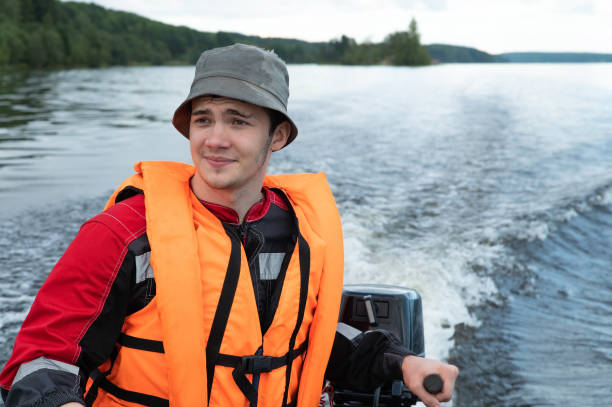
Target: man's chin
221,183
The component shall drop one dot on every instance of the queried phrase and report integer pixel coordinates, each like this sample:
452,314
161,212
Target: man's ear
280,136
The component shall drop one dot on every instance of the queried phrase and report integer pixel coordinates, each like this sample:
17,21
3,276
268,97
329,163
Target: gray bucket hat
242,72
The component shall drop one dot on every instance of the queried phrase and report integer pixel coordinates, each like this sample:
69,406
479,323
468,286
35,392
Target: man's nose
217,136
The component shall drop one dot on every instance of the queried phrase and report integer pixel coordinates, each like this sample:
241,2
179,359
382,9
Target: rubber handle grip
433,383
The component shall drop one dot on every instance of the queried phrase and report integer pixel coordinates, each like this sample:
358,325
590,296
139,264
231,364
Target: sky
494,26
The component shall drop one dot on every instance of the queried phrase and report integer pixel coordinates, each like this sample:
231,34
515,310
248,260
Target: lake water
488,188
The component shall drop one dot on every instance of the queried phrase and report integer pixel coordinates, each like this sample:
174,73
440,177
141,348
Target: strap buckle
256,364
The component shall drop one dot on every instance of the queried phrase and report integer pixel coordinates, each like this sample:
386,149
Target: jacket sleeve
365,360
73,323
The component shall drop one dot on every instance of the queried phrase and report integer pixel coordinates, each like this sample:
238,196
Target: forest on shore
50,33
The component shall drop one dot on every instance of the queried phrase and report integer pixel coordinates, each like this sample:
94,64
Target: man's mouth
218,161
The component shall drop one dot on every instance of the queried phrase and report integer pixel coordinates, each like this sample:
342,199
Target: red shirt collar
256,212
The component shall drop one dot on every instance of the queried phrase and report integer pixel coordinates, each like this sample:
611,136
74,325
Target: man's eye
239,122
201,120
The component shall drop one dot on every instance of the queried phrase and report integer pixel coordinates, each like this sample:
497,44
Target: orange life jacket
204,316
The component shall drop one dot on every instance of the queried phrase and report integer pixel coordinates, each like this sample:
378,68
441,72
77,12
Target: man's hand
415,369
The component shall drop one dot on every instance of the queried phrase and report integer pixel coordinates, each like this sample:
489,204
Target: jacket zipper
242,232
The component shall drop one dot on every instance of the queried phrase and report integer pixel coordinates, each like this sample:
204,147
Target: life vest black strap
259,364
97,377
224,307
100,381
254,365
304,252
132,396
140,343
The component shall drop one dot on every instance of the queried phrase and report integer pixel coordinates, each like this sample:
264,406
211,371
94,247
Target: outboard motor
396,309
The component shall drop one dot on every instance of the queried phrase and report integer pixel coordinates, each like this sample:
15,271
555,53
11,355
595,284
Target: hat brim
230,88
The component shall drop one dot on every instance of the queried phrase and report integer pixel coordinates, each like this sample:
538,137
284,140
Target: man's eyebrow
231,112
201,111
235,112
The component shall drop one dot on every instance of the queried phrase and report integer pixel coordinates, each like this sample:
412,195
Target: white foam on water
604,197
543,223
533,230
569,215
440,273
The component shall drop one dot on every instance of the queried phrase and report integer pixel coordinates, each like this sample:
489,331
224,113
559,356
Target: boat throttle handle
433,383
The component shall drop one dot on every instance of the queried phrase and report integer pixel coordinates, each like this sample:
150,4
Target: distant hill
555,57
444,53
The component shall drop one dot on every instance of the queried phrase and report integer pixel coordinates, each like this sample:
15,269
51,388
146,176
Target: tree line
50,33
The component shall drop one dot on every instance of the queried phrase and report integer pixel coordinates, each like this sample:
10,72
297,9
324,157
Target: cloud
432,5
586,7
491,25
266,8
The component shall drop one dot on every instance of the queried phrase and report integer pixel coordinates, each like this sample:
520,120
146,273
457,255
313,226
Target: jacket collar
255,212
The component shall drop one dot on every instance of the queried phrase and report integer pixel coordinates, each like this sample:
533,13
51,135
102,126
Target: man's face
230,144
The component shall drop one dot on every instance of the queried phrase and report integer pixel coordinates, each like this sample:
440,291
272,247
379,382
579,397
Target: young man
212,284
